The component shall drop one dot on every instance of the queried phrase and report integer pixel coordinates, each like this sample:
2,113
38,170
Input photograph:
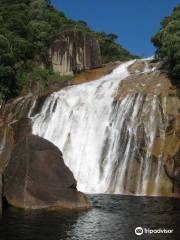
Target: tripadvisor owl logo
139,231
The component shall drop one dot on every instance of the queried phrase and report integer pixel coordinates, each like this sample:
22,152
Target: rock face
0,194
74,51
10,134
6,145
94,74
36,177
156,131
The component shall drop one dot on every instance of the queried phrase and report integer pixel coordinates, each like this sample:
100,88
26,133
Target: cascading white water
125,169
98,137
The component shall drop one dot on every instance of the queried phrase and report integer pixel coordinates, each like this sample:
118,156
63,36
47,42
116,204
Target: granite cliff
74,51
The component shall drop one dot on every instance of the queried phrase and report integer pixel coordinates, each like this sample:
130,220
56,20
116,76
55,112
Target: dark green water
113,217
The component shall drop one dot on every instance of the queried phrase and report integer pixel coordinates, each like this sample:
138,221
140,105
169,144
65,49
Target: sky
134,21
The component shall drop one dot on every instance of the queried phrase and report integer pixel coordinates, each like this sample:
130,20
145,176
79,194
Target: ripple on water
113,217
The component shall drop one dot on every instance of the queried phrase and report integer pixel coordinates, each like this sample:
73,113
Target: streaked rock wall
74,51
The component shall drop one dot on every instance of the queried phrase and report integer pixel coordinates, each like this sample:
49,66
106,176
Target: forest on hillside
26,28
167,41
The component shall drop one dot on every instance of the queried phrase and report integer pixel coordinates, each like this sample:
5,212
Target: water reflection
113,217
17,224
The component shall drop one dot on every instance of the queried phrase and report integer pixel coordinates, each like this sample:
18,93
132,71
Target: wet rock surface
36,177
94,74
157,105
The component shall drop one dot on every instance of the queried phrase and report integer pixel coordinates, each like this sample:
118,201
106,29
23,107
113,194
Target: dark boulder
6,145
21,129
177,174
11,134
36,177
0,193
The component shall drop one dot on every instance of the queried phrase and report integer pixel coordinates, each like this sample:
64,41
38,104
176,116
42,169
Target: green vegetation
110,50
167,41
44,76
26,27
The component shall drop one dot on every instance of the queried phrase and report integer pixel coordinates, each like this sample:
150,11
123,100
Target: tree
167,42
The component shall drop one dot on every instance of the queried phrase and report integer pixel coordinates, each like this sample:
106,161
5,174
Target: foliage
110,50
167,41
26,27
44,76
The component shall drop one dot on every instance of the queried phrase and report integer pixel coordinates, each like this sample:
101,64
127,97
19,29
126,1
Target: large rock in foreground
0,194
36,177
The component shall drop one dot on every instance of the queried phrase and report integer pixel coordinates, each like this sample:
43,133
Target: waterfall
102,140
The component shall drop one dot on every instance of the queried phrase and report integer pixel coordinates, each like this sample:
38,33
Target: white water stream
99,138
